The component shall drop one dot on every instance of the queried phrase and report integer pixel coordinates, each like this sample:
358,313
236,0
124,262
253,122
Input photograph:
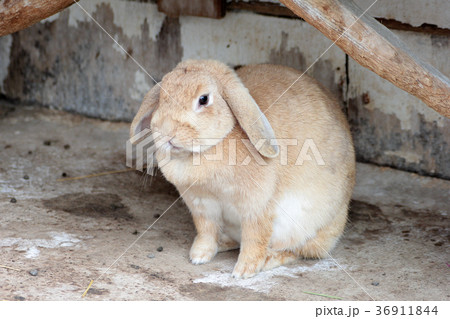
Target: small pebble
13,200
156,215
151,256
375,283
47,143
135,266
26,177
66,147
94,291
117,206
160,249
34,272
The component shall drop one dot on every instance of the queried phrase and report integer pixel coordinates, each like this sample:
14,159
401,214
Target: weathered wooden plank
375,47
16,15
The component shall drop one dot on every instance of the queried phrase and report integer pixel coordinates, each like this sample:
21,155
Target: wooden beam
16,15
375,47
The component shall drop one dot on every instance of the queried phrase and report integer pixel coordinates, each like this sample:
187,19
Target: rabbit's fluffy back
305,111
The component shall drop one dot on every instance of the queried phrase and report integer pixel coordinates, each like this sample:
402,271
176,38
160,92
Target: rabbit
276,207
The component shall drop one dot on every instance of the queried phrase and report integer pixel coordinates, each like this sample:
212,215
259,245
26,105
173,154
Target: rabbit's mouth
173,146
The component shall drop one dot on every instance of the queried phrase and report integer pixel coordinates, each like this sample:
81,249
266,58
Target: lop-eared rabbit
262,156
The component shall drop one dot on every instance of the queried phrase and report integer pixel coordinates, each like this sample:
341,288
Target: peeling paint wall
413,12
68,62
243,38
5,53
391,127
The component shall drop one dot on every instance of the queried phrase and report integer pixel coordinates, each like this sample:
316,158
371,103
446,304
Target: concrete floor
395,246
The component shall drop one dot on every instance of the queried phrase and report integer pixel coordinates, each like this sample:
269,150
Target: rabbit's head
197,105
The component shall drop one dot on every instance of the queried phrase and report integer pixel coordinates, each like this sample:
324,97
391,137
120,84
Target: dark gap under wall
276,10
347,84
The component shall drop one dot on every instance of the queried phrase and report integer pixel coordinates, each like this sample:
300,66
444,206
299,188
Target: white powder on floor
31,246
265,280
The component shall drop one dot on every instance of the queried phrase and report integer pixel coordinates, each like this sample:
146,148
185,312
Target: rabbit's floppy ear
249,115
143,117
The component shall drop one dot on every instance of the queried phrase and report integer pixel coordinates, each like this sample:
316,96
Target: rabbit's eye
203,100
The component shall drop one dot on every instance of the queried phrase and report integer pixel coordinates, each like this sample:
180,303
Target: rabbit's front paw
247,267
203,250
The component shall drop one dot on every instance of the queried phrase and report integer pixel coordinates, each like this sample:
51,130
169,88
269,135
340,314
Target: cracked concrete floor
395,246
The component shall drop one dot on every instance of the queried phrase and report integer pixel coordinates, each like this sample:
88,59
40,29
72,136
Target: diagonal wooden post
375,47
16,15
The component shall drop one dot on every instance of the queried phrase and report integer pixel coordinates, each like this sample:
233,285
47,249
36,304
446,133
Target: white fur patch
292,221
232,221
196,201
209,205
224,213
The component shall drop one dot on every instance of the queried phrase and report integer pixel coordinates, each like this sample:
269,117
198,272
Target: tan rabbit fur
273,210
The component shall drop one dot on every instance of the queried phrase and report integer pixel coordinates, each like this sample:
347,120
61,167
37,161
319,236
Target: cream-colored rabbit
268,172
